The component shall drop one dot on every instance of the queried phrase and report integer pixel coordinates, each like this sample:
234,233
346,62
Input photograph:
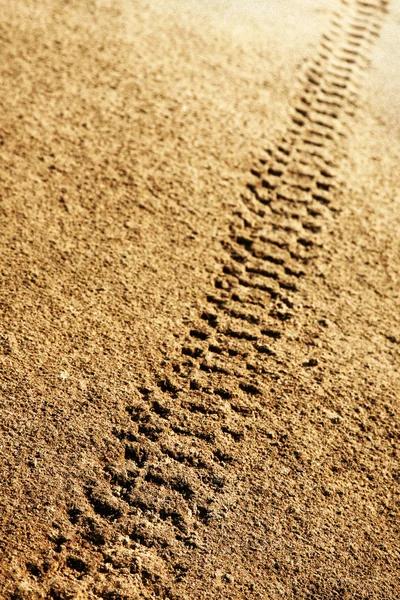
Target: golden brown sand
200,276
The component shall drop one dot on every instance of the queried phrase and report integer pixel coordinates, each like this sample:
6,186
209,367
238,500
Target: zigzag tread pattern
184,431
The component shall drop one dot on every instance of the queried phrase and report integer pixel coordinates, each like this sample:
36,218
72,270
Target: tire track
185,431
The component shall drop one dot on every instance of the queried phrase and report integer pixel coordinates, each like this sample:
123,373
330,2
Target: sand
200,277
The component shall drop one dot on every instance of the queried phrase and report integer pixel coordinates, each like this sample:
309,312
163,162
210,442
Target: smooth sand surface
200,291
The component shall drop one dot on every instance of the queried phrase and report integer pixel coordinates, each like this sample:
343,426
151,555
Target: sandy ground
200,281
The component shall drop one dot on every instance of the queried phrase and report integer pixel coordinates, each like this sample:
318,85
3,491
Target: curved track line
185,430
